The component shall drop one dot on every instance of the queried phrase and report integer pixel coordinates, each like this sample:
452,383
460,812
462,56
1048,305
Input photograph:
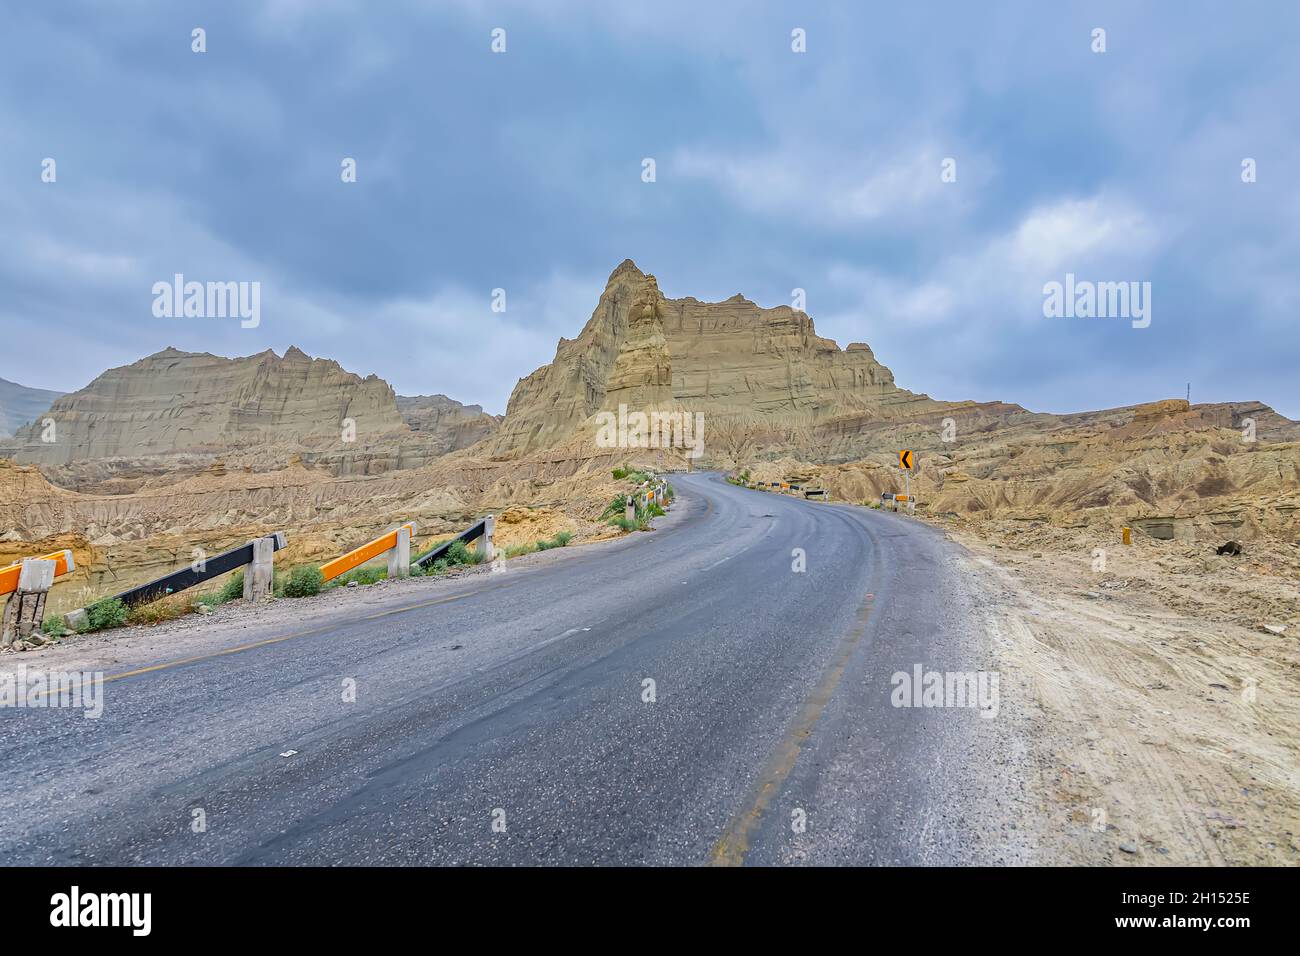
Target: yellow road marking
732,846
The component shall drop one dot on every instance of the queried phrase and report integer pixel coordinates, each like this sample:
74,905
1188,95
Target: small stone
1093,595
1275,628
1128,847
352,584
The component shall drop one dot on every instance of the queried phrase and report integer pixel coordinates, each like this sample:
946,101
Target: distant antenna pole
1189,393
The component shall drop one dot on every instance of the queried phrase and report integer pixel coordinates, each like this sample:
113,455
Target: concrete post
629,510
399,557
259,576
26,605
485,543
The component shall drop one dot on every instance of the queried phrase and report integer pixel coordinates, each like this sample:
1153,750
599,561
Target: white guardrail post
23,613
399,556
259,574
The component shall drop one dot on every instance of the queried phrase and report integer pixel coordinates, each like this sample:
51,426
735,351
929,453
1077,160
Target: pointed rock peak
626,267
293,353
170,352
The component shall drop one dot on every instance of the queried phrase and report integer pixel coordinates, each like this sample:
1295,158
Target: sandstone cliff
449,424
173,402
765,371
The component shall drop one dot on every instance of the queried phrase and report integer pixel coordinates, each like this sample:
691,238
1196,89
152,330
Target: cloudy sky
775,170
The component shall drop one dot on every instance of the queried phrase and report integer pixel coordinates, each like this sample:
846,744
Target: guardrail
257,555
396,542
196,573
481,529
25,609
257,584
63,564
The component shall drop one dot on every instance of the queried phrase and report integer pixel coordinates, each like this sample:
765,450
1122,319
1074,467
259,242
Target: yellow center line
732,846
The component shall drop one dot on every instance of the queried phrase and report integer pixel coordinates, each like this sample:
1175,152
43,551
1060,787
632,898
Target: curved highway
715,692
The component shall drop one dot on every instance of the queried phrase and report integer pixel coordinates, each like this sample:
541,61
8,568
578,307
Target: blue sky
775,170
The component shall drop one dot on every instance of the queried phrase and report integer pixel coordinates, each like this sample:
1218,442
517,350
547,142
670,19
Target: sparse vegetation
232,589
53,626
304,580
616,507
560,540
460,553
155,612
110,612
363,576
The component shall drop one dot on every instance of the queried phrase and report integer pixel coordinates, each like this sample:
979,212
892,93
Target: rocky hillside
173,402
764,372
20,405
450,424
174,414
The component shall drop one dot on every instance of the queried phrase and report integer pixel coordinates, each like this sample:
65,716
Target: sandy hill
176,412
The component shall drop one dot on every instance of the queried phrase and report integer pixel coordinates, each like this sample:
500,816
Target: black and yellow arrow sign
905,458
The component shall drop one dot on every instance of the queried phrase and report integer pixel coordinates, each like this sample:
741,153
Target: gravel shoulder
1167,713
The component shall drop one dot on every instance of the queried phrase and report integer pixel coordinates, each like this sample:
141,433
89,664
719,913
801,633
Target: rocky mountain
450,424
20,404
173,402
765,371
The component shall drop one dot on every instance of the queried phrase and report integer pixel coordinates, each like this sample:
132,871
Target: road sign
902,497
905,458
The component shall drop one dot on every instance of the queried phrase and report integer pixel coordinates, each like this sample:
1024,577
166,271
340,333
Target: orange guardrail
359,556
63,564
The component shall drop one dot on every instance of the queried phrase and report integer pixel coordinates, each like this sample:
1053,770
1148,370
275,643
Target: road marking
732,846
167,665
716,563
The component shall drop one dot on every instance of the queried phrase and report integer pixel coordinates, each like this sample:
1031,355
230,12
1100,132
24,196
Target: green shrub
363,576
156,612
432,547
561,539
232,589
627,524
110,612
620,473
460,553
53,625
616,507
304,580
655,511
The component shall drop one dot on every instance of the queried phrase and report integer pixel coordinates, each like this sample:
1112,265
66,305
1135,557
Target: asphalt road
507,721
